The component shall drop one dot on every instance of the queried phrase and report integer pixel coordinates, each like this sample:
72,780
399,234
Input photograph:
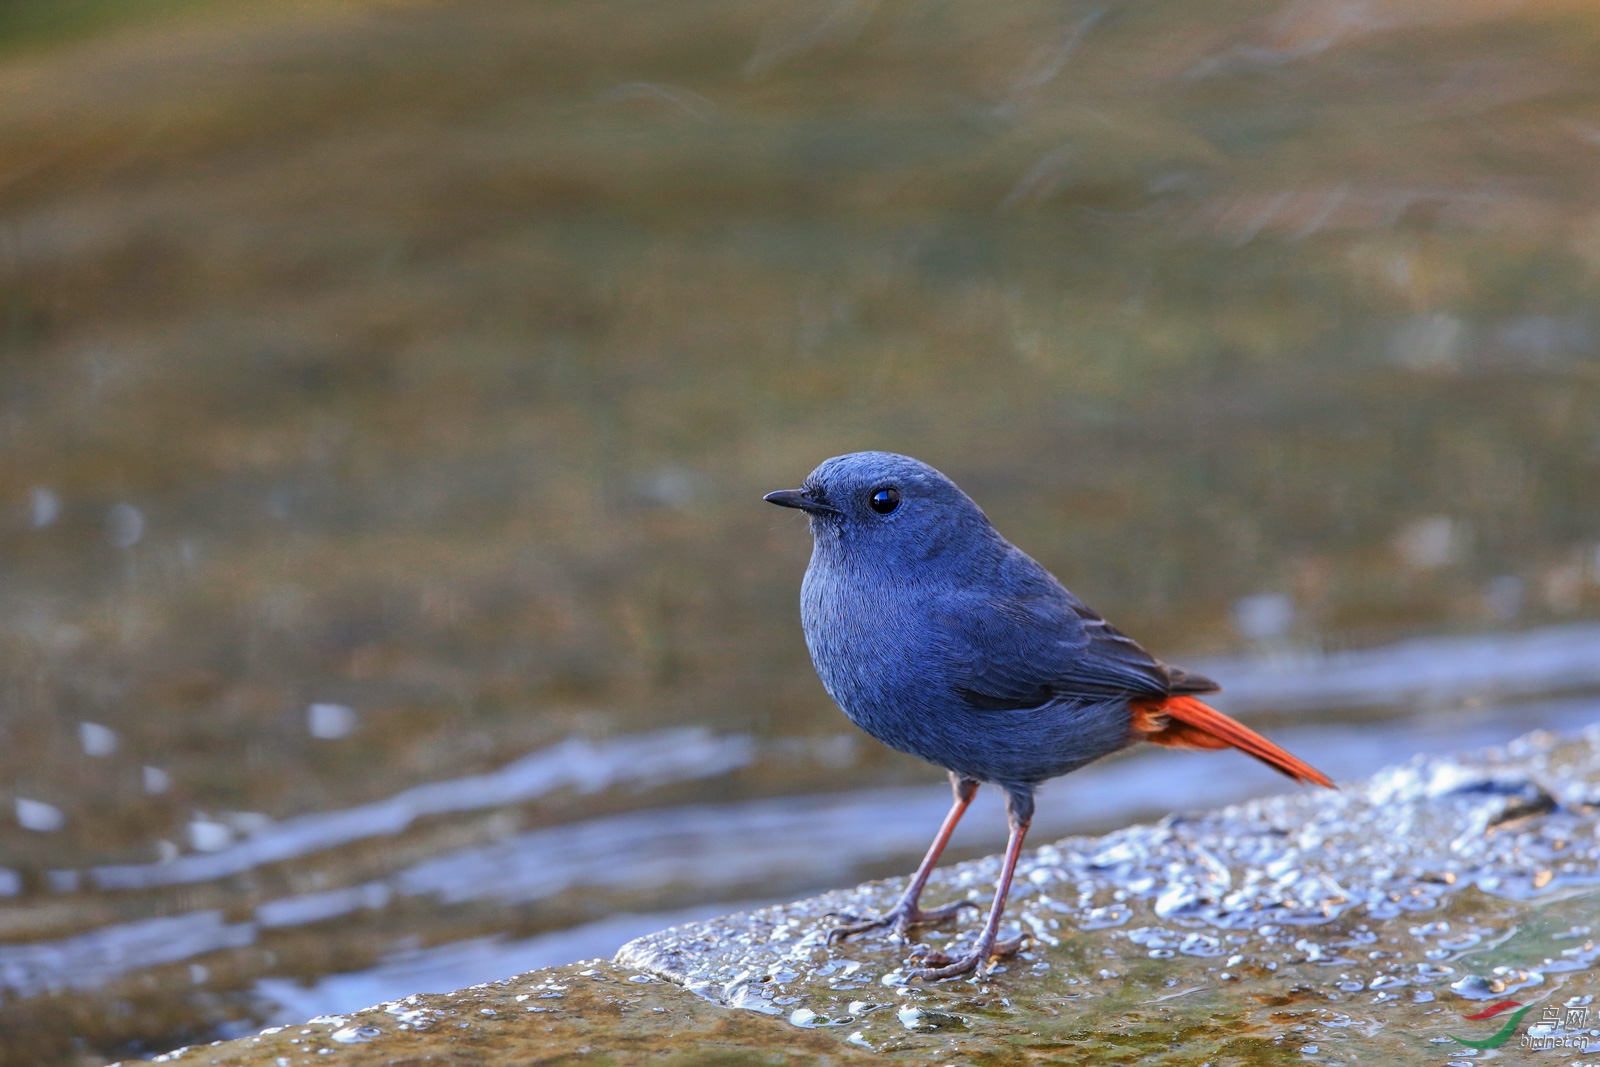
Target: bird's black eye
885,500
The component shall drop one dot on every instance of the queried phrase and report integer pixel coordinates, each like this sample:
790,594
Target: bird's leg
906,914
1021,813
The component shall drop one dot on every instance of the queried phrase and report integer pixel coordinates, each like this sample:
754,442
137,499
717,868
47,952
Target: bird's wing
1040,645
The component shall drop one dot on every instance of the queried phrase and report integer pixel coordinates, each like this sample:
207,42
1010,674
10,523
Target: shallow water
387,392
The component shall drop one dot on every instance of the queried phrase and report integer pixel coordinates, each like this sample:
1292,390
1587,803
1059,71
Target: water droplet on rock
39,816
331,721
350,1035
124,526
97,740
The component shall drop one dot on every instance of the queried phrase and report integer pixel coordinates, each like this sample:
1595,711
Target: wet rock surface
1361,925
1357,926
591,1012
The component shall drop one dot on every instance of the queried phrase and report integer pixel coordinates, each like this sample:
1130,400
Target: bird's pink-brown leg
906,914
987,947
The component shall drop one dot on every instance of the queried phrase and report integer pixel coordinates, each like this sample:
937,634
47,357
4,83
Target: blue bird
940,638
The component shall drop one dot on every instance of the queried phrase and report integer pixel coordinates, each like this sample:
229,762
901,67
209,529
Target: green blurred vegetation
31,24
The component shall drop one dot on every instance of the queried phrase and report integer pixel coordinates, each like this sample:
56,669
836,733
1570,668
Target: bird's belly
921,715
1007,747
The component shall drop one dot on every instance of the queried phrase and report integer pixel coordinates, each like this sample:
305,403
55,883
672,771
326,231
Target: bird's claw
940,965
901,918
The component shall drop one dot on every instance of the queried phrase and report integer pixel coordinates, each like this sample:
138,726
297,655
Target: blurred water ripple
642,761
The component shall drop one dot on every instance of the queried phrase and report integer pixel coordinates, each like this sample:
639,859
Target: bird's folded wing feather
1041,645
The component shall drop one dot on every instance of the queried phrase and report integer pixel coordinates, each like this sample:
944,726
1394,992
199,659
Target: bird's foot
940,965
900,919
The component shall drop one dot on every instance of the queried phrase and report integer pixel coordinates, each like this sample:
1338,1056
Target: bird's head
886,504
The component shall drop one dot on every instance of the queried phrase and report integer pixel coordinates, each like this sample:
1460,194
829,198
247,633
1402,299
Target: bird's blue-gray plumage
942,639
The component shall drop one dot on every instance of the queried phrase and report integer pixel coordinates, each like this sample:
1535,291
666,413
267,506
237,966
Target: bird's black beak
798,498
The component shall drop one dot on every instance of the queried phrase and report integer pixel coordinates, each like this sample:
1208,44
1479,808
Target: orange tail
1184,722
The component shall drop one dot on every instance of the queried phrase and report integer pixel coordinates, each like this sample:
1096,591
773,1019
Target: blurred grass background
443,350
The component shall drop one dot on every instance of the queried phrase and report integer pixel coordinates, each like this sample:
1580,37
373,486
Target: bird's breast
874,651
